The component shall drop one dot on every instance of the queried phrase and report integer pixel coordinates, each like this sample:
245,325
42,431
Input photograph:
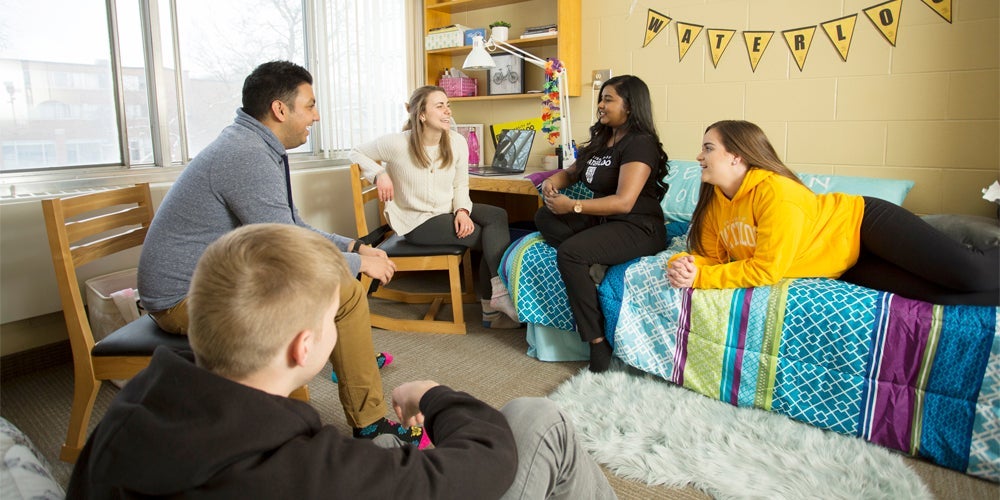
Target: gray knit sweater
238,179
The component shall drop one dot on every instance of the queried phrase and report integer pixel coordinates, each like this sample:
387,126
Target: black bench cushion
138,338
397,246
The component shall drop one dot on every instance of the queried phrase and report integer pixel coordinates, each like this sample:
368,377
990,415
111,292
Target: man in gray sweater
242,178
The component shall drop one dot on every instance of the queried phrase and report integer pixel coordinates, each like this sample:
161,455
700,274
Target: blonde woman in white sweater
425,186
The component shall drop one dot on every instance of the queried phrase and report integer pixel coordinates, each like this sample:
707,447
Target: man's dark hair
275,80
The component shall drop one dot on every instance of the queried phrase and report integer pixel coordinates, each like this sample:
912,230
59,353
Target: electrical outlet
601,75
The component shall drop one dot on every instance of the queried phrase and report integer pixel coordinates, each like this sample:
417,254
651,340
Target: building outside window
68,103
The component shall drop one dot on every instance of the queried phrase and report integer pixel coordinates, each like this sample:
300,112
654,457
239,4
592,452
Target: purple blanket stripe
897,370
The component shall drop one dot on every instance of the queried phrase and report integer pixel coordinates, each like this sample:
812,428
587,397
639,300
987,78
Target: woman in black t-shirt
624,164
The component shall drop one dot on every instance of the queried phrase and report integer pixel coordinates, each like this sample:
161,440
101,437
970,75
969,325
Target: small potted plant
499,30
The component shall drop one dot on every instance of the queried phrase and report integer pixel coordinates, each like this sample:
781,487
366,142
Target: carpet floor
490,364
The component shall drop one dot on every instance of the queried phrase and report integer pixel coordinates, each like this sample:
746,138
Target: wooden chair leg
302,394
85,390
455,282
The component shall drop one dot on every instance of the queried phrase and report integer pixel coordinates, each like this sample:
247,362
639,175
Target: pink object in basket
458,87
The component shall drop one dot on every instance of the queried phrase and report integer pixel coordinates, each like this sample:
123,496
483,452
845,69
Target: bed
911,376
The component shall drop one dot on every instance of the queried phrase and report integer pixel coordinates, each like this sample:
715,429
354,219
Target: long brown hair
416,106
748,141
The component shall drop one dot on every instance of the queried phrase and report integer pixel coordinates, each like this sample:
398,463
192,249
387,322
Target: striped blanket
916,377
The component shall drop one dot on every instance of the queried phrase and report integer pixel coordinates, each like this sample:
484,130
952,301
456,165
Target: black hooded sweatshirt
177,430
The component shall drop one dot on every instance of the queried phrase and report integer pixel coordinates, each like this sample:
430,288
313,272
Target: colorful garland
550,100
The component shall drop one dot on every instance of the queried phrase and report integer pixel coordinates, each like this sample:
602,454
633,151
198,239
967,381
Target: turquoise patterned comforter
916,377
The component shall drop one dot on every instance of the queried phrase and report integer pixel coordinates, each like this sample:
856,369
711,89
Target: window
70,104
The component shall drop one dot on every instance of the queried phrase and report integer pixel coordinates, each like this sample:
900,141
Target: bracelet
357,246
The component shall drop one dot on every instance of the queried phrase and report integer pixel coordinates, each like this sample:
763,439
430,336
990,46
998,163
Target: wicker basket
458,87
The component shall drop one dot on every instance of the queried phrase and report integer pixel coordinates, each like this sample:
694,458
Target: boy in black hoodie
219,424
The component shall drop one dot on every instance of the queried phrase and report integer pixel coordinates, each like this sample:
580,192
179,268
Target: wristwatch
578,208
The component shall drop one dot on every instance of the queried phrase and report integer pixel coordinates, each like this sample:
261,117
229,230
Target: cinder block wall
926,109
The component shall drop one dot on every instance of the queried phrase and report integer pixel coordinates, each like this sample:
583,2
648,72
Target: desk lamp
555,116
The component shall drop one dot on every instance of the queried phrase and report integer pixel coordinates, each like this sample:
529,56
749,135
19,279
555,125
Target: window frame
15,185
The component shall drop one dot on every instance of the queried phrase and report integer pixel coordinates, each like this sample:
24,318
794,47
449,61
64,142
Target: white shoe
501,300
496,319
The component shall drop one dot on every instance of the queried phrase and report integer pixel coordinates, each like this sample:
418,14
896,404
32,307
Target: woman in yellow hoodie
756,223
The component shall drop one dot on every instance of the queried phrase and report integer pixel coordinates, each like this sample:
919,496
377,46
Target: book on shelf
539,35
537,31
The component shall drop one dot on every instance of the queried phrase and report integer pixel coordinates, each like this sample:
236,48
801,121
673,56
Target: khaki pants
353,357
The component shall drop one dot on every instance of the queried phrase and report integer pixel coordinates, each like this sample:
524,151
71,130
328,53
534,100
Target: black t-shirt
600,171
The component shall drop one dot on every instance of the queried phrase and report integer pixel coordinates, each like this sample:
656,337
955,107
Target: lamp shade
478,59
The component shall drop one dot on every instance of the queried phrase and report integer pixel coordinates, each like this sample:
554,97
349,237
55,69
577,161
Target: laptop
511,156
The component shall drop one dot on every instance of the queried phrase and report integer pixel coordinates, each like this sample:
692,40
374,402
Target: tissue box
458,87
469,34
451,36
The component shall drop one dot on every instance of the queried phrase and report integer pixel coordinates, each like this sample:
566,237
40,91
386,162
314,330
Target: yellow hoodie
776,228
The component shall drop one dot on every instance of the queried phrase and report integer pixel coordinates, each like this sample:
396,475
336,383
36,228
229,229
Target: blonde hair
417,105
748,141
254,289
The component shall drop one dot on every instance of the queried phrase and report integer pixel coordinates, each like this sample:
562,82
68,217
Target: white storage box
454,36
104,315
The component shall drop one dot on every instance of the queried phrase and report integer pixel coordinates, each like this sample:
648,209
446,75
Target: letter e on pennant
756,44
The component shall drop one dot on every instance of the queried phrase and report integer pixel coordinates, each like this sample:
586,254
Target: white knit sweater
420,193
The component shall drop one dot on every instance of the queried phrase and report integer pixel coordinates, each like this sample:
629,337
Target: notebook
511,156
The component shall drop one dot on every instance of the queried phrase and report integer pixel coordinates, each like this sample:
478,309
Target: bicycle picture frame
507,77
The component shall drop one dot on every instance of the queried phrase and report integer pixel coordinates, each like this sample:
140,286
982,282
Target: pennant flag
686,34
799,40
718,40
655,22
942,7
756,44
841,31
885,17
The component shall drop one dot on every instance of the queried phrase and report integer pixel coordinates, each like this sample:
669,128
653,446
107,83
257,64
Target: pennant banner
756,44
885,17
655,22
718,40
799,40
841,31
942,7
686,35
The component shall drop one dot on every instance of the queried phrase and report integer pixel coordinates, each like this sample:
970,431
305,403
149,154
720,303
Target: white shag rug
645,428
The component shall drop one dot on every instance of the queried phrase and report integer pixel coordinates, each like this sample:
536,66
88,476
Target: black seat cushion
397,246
138,338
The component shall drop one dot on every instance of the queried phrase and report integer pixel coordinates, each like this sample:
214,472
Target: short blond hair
254,289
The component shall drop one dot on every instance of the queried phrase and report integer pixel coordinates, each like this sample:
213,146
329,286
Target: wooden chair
83,229
410,257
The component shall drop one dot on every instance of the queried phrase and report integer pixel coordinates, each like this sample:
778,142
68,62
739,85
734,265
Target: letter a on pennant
942,7
756,44
841,31
718,40
799,40
885,17
655,22
686,35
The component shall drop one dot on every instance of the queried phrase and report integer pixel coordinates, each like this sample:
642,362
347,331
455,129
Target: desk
513,193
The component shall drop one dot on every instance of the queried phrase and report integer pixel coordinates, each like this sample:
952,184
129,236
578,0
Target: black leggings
903,254
583,240
491,236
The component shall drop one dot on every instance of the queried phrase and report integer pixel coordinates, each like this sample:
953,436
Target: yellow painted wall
926,109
